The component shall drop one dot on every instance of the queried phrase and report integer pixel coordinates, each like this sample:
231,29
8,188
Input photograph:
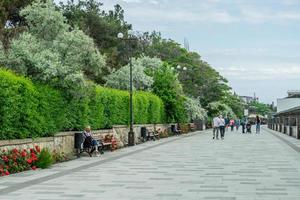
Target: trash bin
173,128
144,132
78,140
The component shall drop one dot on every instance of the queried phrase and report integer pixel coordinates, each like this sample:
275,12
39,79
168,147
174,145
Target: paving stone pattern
241,167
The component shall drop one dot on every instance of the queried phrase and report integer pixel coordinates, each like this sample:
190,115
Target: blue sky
255,44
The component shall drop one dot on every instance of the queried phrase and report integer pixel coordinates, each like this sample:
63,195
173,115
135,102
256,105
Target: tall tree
167,86
11,22
50,52
102,26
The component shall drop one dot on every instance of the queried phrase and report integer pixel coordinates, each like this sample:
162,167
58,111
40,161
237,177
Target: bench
192,127
152,135
175,130
80,148
109,142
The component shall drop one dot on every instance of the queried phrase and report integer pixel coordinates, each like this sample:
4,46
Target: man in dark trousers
243,123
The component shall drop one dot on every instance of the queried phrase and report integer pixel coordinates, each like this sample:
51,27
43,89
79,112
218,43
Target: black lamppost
131,138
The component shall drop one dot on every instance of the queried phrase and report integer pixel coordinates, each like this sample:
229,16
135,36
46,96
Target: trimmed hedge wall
29,110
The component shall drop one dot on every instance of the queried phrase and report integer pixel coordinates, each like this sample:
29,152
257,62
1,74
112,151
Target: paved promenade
242,167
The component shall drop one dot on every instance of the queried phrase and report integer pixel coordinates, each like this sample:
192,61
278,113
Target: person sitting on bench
176,129
89,141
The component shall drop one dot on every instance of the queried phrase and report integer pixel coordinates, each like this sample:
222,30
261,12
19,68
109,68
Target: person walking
227,123
237,124
231,123
222,127
243,123
258,124
216,127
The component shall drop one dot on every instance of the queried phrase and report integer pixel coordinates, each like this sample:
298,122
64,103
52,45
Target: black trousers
243,128
222,131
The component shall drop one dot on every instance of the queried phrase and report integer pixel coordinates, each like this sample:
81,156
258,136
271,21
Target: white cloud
261,72
132,1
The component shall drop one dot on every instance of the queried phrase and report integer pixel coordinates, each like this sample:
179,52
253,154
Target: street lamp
130,37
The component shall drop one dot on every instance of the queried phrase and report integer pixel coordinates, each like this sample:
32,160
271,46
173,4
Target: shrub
30,110
59,157
45,159
18,107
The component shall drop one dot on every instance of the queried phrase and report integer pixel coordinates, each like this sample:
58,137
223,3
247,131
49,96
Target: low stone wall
64,141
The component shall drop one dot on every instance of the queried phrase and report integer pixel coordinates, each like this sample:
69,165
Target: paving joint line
37,181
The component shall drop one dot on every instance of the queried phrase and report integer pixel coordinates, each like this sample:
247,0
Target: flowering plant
16,160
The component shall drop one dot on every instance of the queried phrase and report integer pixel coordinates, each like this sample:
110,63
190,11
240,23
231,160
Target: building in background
289,102
249,99
287,118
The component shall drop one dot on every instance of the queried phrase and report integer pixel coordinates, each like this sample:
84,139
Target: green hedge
30,109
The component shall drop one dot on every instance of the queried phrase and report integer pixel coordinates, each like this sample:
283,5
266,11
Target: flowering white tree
194,109
50,51
218,107
142,71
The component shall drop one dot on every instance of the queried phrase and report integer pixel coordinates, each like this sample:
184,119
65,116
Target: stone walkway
242,167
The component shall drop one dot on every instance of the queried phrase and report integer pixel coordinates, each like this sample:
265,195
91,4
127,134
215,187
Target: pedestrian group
220,125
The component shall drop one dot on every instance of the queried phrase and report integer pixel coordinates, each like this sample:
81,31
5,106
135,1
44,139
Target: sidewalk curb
276,134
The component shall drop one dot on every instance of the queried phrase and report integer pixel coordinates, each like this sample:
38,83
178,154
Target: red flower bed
16,160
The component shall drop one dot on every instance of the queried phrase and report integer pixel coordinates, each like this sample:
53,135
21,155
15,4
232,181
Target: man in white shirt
222,127
216,125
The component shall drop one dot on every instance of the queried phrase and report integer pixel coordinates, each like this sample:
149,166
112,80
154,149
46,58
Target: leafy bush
52,52
45,159
59,157
30,110
168,88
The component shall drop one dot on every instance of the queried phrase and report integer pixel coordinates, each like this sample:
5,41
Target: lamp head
120,35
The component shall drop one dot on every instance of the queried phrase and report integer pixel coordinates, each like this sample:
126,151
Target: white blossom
194,109
142,69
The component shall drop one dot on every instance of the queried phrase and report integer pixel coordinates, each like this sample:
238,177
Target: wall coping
25,141
67,133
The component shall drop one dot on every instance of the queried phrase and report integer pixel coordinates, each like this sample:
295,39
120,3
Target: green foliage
194,109
199,81
259,108
142,71
51,52
235,103
45,159
11,23
34,110
28,110
18,106
102,26
59,157
219,108
168,88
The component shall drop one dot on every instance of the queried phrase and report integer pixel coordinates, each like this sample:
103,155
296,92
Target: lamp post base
131,138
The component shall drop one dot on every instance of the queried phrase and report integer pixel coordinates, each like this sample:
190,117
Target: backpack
87,142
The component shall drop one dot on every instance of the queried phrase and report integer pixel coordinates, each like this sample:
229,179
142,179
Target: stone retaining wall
64,141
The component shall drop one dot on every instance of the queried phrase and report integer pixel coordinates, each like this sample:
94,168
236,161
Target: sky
255,44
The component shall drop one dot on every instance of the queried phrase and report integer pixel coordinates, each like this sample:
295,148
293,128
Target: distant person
243,123
231,123
222,127
258,122
89,140
237,124
227,123
216,127
248,126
